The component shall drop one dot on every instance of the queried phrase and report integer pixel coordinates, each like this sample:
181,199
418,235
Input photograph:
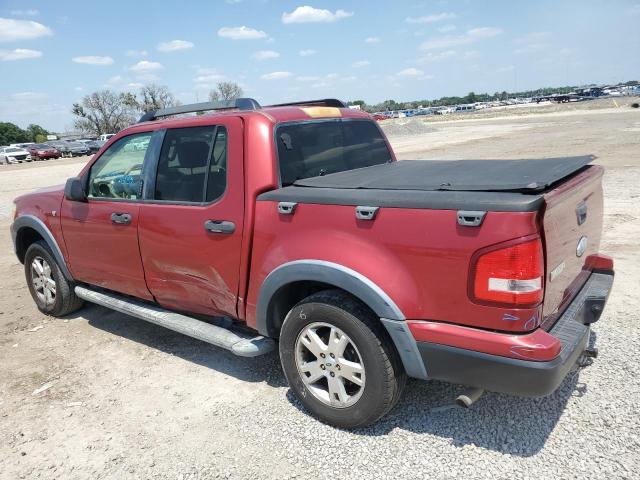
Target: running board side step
239,344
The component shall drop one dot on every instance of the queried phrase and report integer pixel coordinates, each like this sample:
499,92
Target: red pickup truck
297,226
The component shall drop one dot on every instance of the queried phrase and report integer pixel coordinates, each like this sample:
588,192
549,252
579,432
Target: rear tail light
509,275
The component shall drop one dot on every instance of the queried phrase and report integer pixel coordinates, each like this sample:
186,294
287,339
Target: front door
101,234
191,224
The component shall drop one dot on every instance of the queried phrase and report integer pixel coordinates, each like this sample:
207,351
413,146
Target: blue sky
53,53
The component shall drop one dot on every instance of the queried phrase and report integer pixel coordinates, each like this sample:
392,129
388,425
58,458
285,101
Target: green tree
36,133
104,111
225,91
11,133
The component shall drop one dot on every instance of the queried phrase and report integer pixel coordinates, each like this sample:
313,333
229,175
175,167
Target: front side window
192,165
310,149
117,173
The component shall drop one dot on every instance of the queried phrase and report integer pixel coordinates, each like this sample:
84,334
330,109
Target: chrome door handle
121,218
219,226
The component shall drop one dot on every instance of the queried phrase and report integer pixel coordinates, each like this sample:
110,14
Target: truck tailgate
572,226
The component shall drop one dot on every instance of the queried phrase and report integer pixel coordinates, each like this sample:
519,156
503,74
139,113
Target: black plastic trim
29,221
435,200
324,272
523,377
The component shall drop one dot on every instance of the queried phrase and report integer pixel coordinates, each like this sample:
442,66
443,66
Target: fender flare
30,221
356,284
326,272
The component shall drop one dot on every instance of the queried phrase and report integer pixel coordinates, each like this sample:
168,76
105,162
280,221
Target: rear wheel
339,360
50,290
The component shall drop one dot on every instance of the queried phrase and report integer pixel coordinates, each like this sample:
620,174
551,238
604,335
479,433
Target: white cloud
174,46
136,53
436,17
27,96
372,40
93,60
209,78
307,53
241,33
135,85
265,55
634,9
410,72
505,69
307,14
533,42
307,78
276,75
470,36
12,30
145,66
19,54
447,28
31,12
436,57
361,63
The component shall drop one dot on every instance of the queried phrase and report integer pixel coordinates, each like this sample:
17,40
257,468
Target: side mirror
74,190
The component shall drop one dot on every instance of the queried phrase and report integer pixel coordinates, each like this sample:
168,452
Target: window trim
149,193
321,120
145,161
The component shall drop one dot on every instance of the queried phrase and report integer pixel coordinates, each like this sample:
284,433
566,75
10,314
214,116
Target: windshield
13,149
311,149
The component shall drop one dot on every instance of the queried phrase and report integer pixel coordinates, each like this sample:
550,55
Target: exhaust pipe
469,397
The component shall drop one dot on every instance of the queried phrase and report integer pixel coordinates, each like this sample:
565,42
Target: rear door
191,224
572,225
101,234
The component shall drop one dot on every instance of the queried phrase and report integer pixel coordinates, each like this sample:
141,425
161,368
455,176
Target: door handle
219,226
121,218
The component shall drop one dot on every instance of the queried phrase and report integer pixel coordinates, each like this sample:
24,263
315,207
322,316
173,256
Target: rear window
311,149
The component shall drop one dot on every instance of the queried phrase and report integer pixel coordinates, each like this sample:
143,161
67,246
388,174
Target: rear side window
192,165
310,149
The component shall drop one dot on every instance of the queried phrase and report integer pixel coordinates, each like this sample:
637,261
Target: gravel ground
102,395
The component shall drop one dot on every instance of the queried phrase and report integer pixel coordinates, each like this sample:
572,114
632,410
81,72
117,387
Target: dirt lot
130,400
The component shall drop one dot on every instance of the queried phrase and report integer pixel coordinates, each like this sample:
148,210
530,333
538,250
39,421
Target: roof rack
325,102
238,103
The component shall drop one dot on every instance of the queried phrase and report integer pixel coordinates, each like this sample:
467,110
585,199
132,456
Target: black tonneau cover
523,176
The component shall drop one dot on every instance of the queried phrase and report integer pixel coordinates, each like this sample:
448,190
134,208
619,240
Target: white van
106,136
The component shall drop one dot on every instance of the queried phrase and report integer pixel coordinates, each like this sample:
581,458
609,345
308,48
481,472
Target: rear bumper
523,377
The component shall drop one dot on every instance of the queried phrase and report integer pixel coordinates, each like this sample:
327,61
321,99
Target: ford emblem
582,246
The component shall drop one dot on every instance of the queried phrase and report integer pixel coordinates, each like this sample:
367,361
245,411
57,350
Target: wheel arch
291,282
28,229
312,275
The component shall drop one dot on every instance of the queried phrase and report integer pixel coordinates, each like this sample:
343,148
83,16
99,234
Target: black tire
66,300
385,375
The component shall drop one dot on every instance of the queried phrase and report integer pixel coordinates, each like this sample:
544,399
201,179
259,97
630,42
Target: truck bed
523,176
491,185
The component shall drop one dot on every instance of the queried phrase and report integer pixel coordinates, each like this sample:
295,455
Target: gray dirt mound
405,126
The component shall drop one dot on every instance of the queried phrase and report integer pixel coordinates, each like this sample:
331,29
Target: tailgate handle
470,218
581,212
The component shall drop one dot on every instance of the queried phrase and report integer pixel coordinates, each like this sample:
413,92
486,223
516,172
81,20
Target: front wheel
339,360
51,291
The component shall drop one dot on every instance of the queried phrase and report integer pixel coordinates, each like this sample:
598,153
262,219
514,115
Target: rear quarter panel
419,257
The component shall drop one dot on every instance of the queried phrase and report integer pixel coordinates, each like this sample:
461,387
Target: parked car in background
14,155
106,136
43,151
94,145
62,147
77,149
